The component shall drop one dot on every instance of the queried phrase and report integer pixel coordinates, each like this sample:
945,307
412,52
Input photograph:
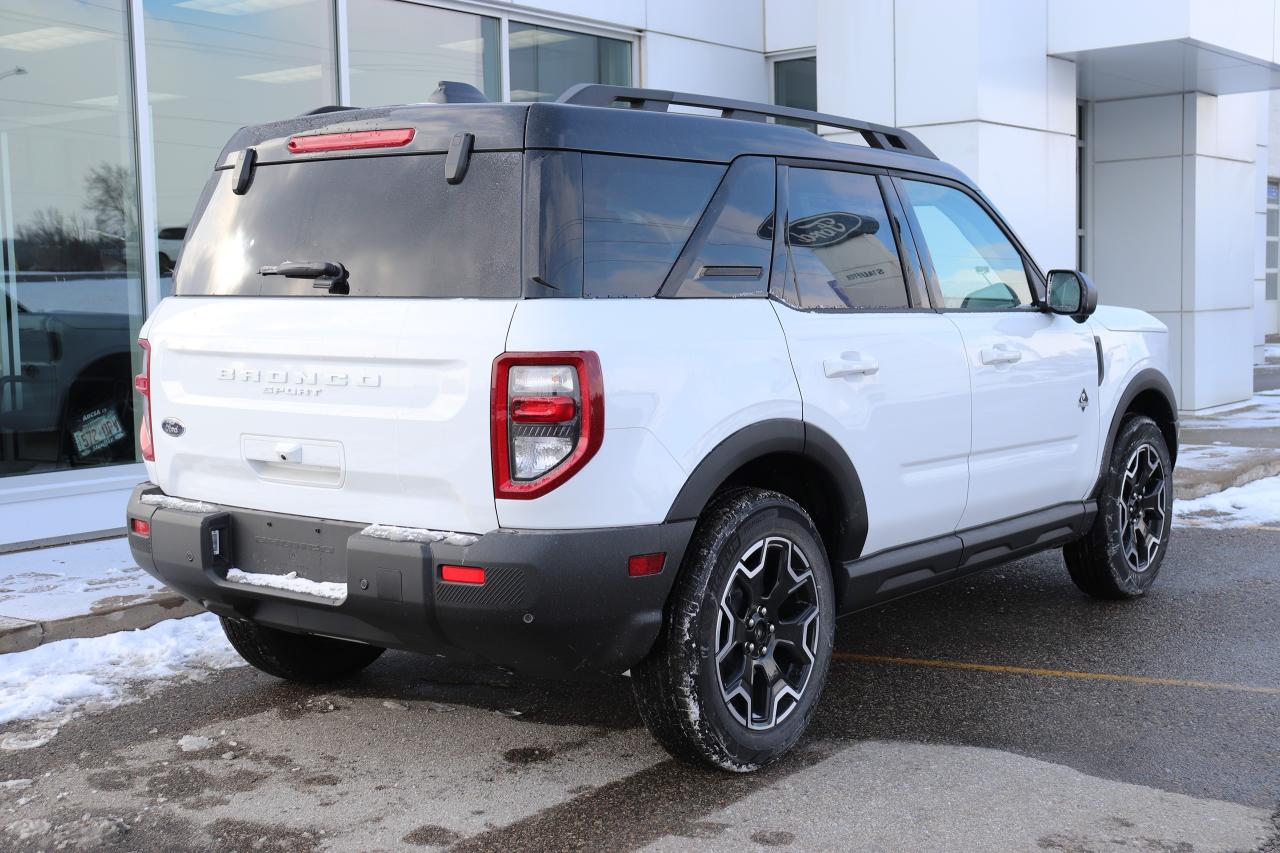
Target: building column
1173,228
975,84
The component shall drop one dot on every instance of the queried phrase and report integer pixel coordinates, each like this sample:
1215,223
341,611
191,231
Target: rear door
879,370
271,393
1034,374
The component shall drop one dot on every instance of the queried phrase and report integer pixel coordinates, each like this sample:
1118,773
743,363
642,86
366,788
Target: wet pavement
1003,712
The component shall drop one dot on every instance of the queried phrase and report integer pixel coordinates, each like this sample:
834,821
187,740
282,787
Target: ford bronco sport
594,386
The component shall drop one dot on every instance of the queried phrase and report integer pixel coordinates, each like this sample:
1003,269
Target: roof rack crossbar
658,100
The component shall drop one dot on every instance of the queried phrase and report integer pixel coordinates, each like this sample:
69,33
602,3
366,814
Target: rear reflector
462,574
645,564
140,527
347,141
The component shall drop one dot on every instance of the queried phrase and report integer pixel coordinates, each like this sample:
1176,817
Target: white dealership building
1135,139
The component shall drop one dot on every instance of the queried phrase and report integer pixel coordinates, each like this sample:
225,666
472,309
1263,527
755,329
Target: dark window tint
977,266
795,84
729,253
638,214
394,222
841,246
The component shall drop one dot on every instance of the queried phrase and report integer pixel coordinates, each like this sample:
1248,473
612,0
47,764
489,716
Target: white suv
548,386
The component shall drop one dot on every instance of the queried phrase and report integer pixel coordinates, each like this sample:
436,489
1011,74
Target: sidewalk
1229,447
94,588
84,590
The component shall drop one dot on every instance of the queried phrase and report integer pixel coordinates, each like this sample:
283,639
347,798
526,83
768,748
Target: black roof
636,123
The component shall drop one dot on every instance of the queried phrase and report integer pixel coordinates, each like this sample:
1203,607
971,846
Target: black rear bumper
554,602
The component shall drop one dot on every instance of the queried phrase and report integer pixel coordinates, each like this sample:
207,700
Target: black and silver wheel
745,646
1120,556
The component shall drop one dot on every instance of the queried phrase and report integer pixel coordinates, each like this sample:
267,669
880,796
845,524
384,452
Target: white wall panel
856,59
790,24
694,66
739,23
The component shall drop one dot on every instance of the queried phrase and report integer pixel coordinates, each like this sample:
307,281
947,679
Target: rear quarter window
393,221
637,216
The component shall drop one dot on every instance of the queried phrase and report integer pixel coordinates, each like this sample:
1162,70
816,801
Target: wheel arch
797,459
1148,393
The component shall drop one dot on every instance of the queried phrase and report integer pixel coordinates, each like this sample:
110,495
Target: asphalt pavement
1003,712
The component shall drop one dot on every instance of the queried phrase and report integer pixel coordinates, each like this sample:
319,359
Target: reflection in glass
735,238
401,51
637,215
213,67
546,61
978,268
70,291
841,246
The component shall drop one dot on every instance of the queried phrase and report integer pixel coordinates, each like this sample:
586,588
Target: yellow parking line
1056,673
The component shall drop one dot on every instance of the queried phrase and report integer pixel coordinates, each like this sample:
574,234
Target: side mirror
1071,294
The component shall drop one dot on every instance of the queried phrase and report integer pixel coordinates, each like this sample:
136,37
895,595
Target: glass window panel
546,61
215,66
637,216
1273,258
1271,286
735,239
414,234
1273,222
978,267
842,250
401,51
795,84
70,288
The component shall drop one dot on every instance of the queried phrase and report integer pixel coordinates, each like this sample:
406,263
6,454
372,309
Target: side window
840,243
978,268
637,215
730,251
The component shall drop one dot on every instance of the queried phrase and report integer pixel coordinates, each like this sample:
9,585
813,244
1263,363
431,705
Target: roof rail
658,100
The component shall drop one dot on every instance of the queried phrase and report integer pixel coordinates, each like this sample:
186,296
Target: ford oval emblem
173,427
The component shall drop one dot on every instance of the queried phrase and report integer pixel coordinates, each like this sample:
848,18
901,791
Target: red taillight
347,141
547,420
543,410
645,564
142,383
140,527
462,574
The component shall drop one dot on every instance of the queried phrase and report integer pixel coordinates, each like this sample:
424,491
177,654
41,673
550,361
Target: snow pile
1253,504
57,680
418,534
292,583
166,502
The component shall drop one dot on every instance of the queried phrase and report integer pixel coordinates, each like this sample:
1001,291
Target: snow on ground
1262,411
58,681
1251,505
1211,457
292,583
53,583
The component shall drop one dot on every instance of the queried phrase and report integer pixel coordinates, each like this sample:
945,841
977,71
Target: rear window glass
637,215
393,221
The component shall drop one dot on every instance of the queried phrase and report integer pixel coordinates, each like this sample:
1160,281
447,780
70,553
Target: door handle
1000,354
850,364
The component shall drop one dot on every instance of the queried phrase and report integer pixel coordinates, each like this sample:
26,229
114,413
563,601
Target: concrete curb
121,613
1188,488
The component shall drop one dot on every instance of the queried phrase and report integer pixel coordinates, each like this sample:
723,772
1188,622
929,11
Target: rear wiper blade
326,274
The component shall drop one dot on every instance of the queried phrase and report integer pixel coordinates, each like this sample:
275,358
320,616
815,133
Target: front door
1034,374
881,373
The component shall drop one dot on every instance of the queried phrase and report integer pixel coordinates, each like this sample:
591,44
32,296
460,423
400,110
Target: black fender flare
781,435
1148,379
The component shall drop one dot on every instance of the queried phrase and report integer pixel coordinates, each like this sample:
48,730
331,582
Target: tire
1121,554
298,657
745,540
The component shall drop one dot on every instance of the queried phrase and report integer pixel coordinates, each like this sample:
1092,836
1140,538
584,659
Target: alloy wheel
767,633
1143,517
